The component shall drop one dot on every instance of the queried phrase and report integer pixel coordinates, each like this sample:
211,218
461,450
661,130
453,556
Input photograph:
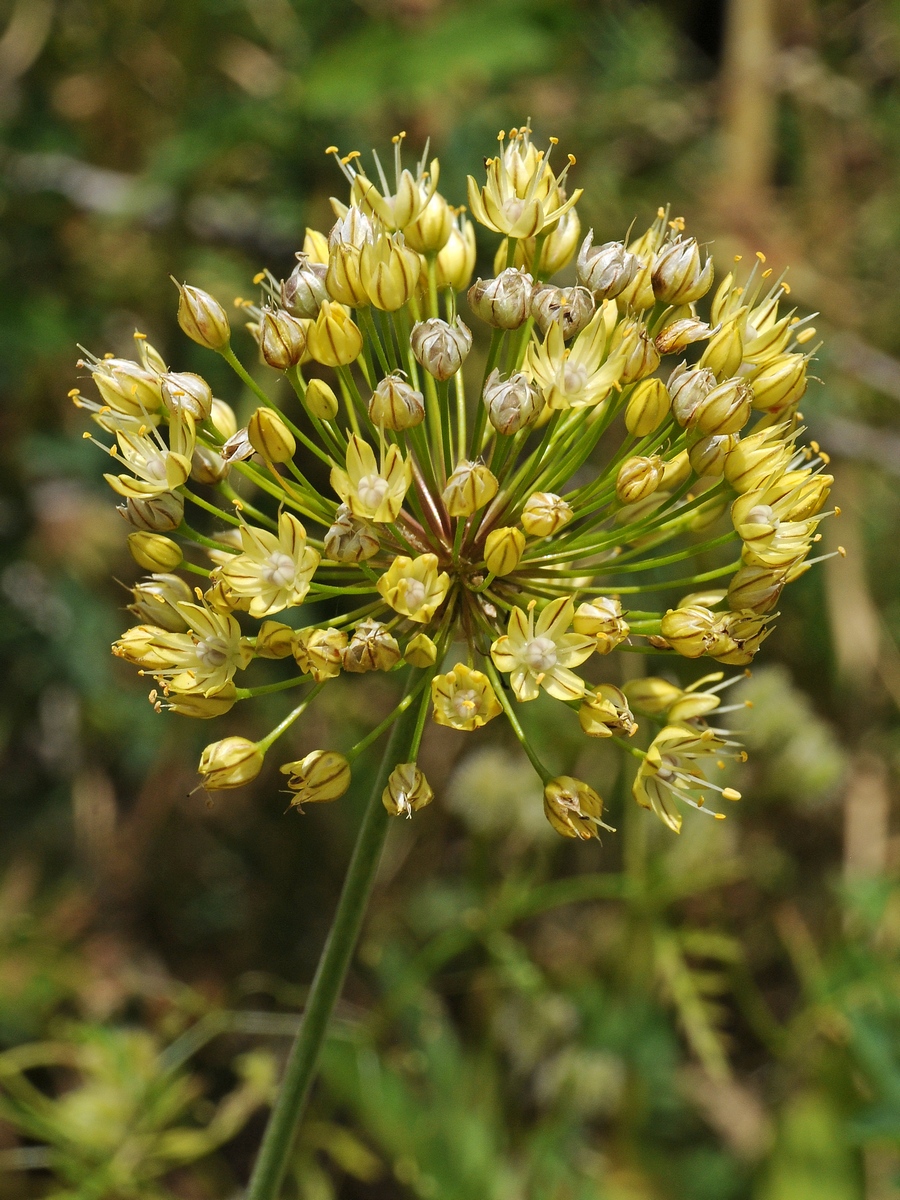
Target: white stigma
541,654
413,594
278,569
212,652
371,490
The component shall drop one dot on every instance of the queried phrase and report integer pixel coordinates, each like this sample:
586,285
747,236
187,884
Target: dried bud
605,270
647,408
154,552
726,409
725,352
544,513
573,808
238,448
202,318
304,290
421,651
681,333
677,274
638,478
183,391
155,601
605,711
282,339
158,513
602,618
321,776
780,383
470,487
407,791
632,341
709,455
511,403
230,763
396,405
431,230
349,539
503,302
570,308
689,631
274,640
456,262
207,466
441,348
222,419
371,648
688,387
319,652
503,549
334,340
270,437
320,400
389,271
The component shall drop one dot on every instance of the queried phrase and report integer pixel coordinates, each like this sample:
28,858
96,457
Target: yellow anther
572,159
331,150
842,552
108,354
815,445
719,816
837,510
767,273
532,604
786,288
720,764
198,592
74,392
259,276
660,212
805,335
140,336
731,794
501,135
86,435
760,256
554,141
738,257
239,302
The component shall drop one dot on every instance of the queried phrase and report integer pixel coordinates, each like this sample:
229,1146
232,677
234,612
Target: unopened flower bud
456,262
544,513
349,539
688,387
570,308
396,405
334,340
183,391
504,301
319,652
222,419
441,348
389,271
274,640
676,471
605,711
202,706
202,318
605,270
679,334
709,455
602,619
154,552
755,588
503,549
343,277
207,466
282,339
158,513
559,245
407,791
320,400
321,776
421,651
304,290
647,407
270,437
511,403
726,409
431,229
230,763
678,276
156,598
470,487
638,477
755,458
780,383
632,341
689,631
371,648
725,352
573,808
651,696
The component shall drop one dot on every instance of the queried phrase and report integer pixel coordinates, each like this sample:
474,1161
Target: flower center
761,514
465,702
212,652
574,377
155,466
413,593
372,489
541,654
278,569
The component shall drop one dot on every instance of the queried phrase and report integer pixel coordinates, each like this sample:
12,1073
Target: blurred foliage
706,1018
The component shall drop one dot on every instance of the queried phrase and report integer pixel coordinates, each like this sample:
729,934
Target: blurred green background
714,1017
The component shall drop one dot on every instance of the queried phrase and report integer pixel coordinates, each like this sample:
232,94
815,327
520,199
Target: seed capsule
688,387
350,539
158,513
503,302
183,391
638,477
544,513
511,403
396,405
319,652
605,270
470,487
631,340
304,292
677,274
282,339
371,648
570,308
441,348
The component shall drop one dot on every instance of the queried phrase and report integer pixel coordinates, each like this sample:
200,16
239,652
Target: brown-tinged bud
201,706
389,271
602,619
333,339
638,477
320,400
504,301
319,652
780,383
304,291
456,262
154,552
396,405
689,631
651,696
709,455
688,387
570,308
421,651
470,486
230,763
202,318
407,791
631,340
274,640
605,711
511,403
157,514
725,352
544,513
678,276
647,407
321,776
156,599
605,270
238,447
208,466
573,808
503,549
431,230
740,636
726,409
371,648
183,391
755,588
282,339
349,539
441,348
679,334
270,437
222,419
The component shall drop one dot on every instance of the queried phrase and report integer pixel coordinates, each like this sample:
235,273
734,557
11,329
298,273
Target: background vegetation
715,1017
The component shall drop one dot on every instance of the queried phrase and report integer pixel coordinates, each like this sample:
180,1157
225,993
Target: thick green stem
284,1122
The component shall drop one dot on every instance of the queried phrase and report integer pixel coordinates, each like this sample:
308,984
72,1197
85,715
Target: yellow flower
319,652
203,660
230,763
156,467
670,772
521,196
274,572
407,790
580,375
573,808
540,655
369,492
413,587
464,698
